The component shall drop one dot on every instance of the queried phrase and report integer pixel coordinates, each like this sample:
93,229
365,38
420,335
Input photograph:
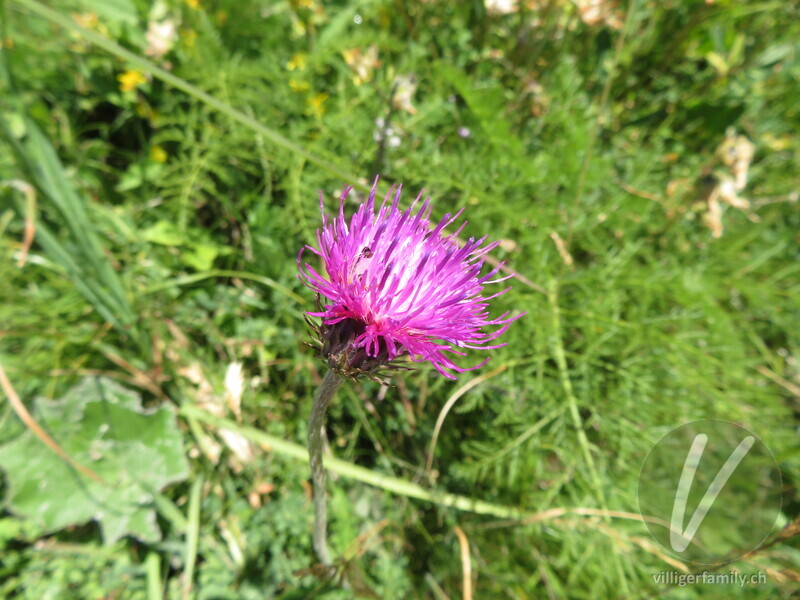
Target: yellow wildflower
145,111
158,154
777,143
315,105
298,62
130,80
298,27
188,37
298,86
192,3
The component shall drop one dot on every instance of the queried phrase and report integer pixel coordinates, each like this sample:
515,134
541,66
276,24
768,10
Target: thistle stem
316,423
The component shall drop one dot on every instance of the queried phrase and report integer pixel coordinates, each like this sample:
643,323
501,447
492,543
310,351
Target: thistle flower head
397,285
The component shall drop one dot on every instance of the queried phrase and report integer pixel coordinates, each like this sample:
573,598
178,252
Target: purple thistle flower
397,285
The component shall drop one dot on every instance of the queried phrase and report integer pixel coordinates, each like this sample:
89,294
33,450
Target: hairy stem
316,423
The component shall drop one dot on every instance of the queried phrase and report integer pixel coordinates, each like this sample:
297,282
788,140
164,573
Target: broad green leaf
102,426
201,257
164,233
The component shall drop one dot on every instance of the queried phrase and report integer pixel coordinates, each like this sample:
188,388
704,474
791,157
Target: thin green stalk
390,484
192,537
213,273
167,509
153,569
563,371
316,424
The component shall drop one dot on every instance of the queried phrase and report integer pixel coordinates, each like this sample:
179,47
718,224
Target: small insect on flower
397,286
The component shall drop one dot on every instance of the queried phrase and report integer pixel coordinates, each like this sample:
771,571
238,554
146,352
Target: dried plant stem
316,423
449,404
466,563
29,192
37,430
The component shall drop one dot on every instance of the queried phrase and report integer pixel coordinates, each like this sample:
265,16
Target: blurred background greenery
159,168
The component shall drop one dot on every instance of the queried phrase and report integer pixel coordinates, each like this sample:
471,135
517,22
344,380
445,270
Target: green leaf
201,257
102,426
164,233
138,174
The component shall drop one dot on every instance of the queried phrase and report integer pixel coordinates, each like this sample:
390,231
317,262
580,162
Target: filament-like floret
397,285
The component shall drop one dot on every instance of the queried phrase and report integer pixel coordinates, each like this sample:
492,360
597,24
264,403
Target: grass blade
192,537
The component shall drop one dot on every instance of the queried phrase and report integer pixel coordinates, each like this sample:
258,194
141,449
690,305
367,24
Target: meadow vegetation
159,171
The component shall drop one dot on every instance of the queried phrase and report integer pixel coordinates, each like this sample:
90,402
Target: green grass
168,219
